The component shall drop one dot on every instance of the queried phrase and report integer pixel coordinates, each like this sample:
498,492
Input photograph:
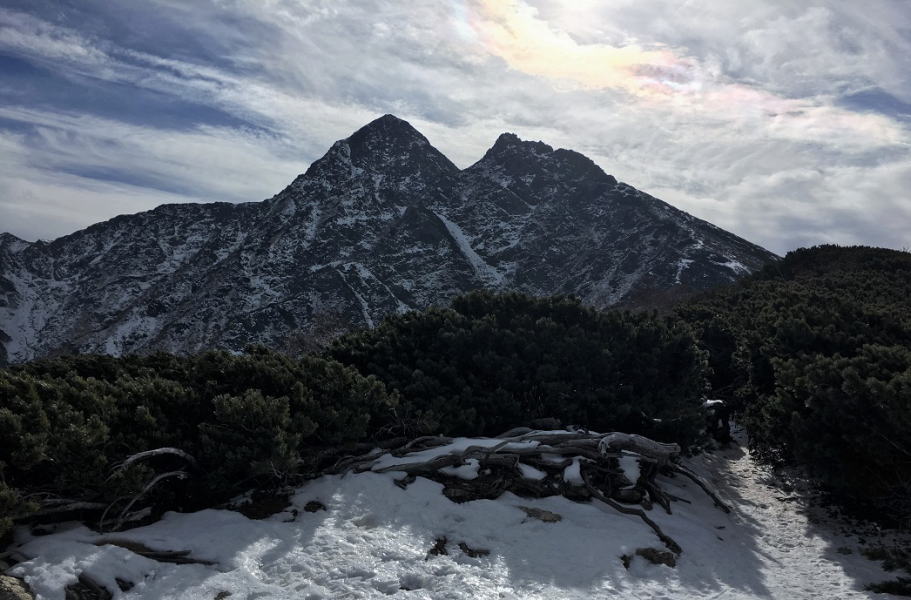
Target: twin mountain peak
383,223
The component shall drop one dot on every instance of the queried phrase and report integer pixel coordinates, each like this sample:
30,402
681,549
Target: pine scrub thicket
248,420
261,418
490,362
814,352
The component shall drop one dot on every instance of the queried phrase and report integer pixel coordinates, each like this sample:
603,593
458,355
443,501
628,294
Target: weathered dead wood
705,488
481,452
499,470
121,519
139,456
509,461
350,463
666,539
572,451
571,444
472,552
590,443
547,466
556,438
658,496
474,450
515,432
488,486
405,481
677,498
434,464
426,442
178,557
46,500
86,588
648,472
643,446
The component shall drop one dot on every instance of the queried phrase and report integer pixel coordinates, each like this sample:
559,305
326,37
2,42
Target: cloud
664,78
68,171
38,203
842,205
211,162
24,34
794,49
758,118
512,31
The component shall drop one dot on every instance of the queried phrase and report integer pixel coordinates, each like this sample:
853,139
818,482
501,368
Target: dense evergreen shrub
850,416
485,365
493,361
813,352
66,423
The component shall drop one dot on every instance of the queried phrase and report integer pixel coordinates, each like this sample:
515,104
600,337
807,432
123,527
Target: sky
787,123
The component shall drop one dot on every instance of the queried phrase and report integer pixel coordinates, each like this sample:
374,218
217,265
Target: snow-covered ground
372,541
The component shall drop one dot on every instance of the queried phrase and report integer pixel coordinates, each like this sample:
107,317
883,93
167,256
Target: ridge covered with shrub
485,365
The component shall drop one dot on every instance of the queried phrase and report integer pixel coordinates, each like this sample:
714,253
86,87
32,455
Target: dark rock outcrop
383,223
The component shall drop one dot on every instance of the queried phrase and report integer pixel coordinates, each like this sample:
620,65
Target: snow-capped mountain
382,223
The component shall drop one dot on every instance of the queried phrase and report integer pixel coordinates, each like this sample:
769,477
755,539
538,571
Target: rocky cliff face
382,223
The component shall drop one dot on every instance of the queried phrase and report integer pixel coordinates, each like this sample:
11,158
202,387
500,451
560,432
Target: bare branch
155,481
667,540
689,474
156,452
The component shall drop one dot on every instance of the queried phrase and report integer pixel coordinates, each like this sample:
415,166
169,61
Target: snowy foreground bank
373,540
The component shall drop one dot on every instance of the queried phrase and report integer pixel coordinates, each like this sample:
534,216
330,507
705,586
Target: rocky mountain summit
383,223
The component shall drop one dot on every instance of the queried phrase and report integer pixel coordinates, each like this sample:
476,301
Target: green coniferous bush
813,354
493,361
67,423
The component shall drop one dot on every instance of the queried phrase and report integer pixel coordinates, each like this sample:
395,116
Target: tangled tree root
580,465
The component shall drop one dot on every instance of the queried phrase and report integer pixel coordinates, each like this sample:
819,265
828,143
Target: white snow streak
682,265
487,273
365,308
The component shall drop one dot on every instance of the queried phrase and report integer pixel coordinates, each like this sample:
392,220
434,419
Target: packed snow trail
373,541
804,553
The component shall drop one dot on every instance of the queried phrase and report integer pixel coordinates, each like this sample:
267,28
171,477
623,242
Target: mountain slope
382,223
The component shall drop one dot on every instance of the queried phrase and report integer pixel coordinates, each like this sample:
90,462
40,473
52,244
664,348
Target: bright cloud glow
511,30
661,78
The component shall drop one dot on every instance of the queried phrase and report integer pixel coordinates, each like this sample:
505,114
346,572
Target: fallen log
643,446
426,442
431,466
